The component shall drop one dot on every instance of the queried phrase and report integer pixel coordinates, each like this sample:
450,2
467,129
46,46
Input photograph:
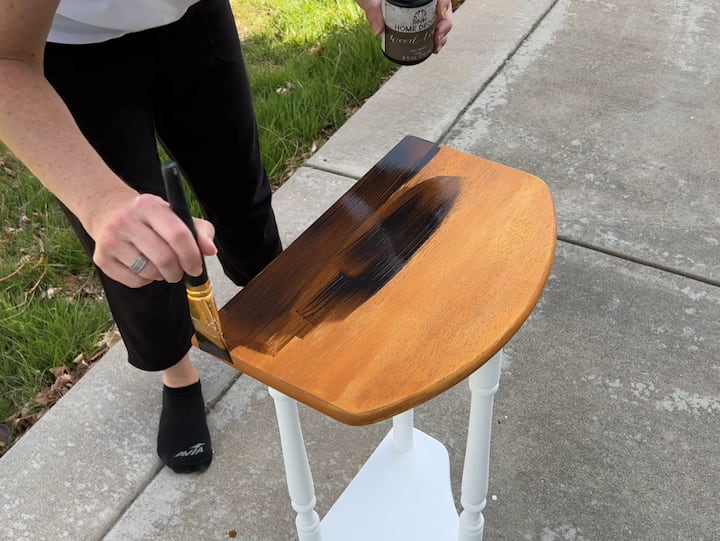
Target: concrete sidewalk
607,419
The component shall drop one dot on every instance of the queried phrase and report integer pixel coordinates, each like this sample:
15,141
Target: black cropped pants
186,85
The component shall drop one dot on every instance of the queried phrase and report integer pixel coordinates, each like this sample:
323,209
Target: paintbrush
201,301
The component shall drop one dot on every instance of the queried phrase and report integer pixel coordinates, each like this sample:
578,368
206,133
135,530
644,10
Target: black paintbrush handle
178,203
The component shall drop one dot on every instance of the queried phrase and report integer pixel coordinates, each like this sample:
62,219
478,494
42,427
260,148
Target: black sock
183,437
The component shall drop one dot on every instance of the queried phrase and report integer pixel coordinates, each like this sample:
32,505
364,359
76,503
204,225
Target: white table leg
297,468
483,385
403,431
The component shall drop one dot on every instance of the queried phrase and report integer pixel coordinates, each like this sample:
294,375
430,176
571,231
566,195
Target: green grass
310,63
50,305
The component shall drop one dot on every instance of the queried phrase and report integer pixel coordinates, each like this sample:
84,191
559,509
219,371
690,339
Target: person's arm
443,21
37,126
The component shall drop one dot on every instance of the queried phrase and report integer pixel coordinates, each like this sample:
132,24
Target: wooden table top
413,279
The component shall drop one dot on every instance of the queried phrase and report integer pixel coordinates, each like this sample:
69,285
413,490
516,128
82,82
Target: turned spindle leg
483,385
403,431
297,468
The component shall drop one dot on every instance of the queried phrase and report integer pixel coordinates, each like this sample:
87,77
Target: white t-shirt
92,21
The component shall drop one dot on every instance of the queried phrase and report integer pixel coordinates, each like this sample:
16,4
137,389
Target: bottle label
409,32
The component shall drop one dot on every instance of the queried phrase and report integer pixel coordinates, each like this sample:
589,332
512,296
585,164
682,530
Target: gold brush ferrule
204,313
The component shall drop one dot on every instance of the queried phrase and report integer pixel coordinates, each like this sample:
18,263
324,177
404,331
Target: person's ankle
178,382
181,374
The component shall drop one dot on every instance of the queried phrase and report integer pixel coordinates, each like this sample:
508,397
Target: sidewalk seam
208,408
212,403
331,171
637,260
103,534
443,137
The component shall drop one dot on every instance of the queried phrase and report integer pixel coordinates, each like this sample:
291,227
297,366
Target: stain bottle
409,30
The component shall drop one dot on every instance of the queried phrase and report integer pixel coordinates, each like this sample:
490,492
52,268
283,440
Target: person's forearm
37,126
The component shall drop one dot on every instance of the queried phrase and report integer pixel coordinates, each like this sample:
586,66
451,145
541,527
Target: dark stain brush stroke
374,259
262,315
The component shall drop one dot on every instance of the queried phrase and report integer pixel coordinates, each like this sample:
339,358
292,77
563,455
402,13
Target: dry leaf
44,397
5,435
289,87
58,371
350,111
110,338
63,383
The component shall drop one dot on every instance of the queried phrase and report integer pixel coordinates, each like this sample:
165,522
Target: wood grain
405,286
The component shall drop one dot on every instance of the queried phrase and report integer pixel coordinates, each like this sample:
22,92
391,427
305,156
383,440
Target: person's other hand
443,19
132,225
443,23
373,14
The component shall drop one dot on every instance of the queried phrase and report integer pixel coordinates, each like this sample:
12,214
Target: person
87,89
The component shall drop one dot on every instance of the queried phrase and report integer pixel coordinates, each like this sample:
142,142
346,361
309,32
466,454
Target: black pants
186,84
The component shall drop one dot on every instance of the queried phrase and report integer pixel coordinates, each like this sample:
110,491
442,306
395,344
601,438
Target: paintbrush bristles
204,314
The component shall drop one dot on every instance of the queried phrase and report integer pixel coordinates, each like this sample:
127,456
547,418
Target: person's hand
443,23
443,19
130,226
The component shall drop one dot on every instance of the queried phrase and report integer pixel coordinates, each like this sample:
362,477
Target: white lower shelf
397,496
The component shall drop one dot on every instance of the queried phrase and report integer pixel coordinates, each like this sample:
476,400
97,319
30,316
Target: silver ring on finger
138,265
